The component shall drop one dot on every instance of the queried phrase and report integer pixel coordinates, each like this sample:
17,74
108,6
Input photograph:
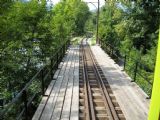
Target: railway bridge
89,85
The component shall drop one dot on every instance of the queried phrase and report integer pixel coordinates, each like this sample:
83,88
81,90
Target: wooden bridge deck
61,100
129,95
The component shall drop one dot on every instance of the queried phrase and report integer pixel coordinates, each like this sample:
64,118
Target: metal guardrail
136,66
21,107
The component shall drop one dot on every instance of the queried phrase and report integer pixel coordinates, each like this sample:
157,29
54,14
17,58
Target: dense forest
30,32
131,28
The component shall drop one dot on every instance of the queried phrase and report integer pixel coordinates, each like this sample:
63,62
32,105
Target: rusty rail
101,103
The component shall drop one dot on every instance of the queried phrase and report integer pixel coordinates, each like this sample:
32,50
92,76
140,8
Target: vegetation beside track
131,27
31,32
76,40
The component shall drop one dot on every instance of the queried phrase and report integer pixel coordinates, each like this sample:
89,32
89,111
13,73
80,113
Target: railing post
101,45
1,103
64,49
125,59
135,72
2,107
42,81
24,97
110,50
61,53
66,46
68,43
57,60
51,67
106,48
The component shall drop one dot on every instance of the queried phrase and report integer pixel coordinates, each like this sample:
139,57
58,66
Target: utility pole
97,19
97,37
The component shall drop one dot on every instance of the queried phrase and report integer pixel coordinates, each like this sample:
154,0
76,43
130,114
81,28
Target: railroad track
96,99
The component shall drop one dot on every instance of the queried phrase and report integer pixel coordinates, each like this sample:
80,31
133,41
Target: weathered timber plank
47,113
75,97
40,109
65,115
126,92
59,103
50,87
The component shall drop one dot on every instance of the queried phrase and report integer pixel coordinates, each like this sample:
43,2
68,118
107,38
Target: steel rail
92,111
85,87
108,99
101,88
97,94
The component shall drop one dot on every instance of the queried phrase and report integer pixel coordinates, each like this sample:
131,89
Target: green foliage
132,28
70,16
90,24
30,31
20,39
76,40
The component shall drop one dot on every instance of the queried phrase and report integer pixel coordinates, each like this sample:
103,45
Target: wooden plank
59,68
56,74
45,98
65,115
61,64
63,102
75,97
52,99
59,104
123,89
67,102
50,87
40,109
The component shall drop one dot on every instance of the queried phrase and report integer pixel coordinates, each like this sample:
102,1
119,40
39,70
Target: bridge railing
139,72
24,104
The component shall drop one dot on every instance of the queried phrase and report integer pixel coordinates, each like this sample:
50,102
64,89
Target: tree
132,28
30,33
